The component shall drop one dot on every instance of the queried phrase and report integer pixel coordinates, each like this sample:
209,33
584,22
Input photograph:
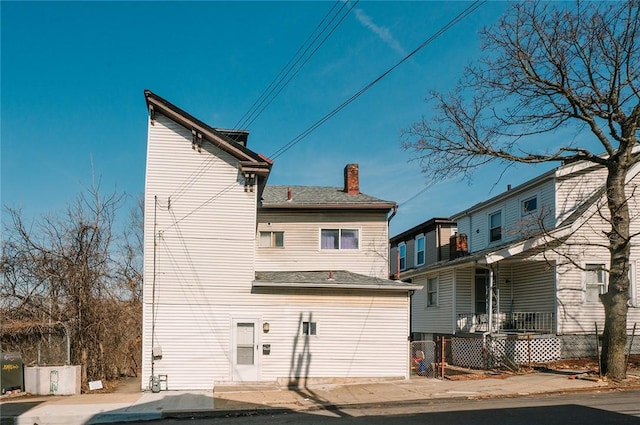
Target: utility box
11,372
53,380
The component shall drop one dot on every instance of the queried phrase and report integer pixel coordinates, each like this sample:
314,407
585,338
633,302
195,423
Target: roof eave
355,206
334,285
157,104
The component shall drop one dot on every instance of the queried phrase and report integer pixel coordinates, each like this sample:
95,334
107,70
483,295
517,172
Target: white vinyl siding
476,225
434,319
574,189
528,286
206,255
201,253
302,250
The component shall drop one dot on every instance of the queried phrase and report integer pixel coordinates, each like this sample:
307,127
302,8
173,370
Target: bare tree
70,269
548,66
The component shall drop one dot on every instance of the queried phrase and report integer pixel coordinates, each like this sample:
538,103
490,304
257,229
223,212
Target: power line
268,96
259,105
475,5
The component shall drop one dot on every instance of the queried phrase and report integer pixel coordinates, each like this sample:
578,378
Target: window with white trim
402,255
339,239
529,205
432,292
595,282
495,226
271,239
420,250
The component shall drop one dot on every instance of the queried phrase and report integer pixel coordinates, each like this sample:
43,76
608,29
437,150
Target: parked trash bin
11,372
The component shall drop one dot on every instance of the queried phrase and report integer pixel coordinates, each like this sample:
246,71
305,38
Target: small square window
271,239
308,328
529,205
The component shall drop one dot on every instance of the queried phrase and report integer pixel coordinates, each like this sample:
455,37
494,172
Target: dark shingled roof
319,197
339,279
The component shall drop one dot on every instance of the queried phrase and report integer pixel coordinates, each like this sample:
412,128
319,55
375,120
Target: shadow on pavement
566,414
9,411
157,405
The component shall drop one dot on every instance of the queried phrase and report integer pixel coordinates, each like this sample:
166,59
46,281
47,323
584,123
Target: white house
245,282
534,257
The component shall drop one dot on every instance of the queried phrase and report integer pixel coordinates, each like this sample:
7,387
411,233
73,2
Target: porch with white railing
539,322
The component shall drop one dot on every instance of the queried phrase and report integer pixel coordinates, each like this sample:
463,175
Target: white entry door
246,360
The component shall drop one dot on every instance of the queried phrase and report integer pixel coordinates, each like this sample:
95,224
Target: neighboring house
246,282
424,244
537,259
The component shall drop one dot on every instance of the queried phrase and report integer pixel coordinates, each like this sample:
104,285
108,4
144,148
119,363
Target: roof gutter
383,287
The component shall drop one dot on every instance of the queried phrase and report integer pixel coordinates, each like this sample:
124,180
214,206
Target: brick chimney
351,181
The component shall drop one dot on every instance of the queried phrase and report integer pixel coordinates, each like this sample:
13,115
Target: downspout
395,211
153,284
411,314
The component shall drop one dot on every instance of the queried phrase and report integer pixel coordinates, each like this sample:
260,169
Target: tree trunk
616,298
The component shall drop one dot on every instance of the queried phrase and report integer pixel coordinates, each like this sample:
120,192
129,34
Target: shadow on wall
301,357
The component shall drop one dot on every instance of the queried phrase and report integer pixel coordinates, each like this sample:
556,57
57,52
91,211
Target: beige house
246,282
530,260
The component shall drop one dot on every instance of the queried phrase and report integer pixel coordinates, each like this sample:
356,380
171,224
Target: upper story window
495,226
420,250
402,255
339,239
271,239
529,205
595,282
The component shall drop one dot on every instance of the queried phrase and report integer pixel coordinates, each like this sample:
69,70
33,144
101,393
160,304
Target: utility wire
252,114
268,95
475,5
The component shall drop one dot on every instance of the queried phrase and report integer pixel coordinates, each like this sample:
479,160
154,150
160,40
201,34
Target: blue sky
73,75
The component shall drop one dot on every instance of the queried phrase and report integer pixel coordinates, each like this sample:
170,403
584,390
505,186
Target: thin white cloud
382,32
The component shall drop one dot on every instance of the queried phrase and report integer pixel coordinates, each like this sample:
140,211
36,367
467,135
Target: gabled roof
316,197
230,141
326,279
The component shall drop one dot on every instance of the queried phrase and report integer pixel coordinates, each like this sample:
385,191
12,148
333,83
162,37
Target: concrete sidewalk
271,398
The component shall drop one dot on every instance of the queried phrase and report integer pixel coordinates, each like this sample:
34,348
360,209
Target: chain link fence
423,358
486,352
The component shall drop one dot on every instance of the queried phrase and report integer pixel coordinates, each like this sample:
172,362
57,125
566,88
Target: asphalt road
612,407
